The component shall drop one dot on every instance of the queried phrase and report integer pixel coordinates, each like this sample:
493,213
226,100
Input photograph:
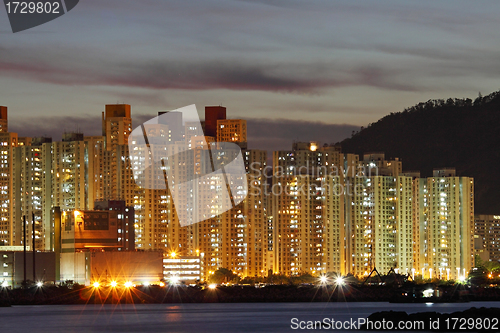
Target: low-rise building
12,268
105,267
185,269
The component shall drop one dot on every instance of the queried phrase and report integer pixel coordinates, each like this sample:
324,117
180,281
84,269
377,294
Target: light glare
174,280
339,281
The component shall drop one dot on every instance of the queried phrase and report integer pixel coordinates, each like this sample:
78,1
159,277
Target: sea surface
203,318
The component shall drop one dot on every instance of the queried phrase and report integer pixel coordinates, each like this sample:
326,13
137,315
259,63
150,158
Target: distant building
4,125
212,115
308,231
446,225
232,130
33,191
8,142
487,231
336,213
116,129
174,123
328,212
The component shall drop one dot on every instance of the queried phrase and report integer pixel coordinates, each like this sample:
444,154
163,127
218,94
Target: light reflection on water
204,318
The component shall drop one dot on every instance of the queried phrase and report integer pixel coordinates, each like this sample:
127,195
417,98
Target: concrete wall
74,267
45,263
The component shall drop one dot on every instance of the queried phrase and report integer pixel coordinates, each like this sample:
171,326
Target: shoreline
234,294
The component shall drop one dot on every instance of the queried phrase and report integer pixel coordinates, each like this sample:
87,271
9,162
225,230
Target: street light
174,280
39,284
339,281
96,284
128,284
113,284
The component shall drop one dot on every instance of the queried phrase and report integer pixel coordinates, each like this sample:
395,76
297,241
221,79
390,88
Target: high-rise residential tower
8,142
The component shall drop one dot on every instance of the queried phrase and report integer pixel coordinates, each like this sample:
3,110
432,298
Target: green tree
223,275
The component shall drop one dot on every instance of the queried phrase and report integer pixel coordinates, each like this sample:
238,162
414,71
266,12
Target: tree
223,275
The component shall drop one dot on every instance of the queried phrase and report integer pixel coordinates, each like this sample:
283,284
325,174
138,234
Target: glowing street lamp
174,280
114,284
96,284
173,254
339,281
39,284
323,279
212,286
128,284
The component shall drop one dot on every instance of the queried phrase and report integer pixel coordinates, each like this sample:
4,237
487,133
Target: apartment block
487,230
8,142
33,192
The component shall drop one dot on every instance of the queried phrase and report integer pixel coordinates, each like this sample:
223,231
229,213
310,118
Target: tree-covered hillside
459,133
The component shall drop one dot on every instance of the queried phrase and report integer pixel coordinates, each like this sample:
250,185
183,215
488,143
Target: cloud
79,68
54,127
279,134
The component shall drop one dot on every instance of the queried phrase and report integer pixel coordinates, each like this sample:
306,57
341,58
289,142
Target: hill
459,133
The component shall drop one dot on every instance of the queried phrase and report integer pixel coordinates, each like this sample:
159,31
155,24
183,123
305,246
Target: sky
296,70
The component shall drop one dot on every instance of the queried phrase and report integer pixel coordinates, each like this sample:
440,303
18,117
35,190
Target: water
204,318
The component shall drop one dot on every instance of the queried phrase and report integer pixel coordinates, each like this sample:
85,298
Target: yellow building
448,224
307,210
33,191
8,142
116,128
69,174
232,130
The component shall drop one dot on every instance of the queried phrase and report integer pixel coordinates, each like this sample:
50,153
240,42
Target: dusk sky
326,67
